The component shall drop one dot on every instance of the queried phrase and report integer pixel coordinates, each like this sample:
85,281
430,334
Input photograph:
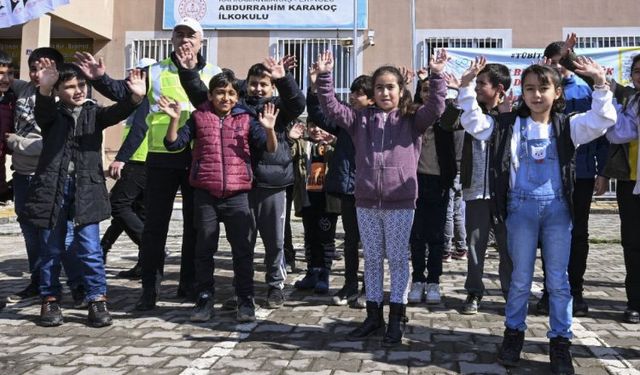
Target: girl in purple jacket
387,141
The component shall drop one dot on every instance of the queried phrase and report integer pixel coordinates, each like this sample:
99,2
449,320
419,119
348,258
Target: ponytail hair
405,105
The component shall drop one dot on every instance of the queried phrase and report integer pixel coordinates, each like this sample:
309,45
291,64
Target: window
433,39
158,49
306,52
434,43
605,37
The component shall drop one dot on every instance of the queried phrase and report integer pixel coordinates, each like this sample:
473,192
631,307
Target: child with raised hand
71,164
224,132
532,171
387,139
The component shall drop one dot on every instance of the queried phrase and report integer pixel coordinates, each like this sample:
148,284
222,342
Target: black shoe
560,356
31,291
471,304
348,293
322,285
203,310
396,325
511,347
134,273
580,307
309,281
542,307
98,314
631,316
230,304
246,310
147,300
50,313
374,323
79,297
275,298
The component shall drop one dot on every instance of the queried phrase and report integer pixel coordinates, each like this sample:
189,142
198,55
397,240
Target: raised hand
297,131
137,84
587,67
313,75
289,62
474,68
47,75
544,61
268,116
451,80
438,62
422,74
569,44
275,67
115,169
91,68
186,57
325,62
407,74
507,103
170,106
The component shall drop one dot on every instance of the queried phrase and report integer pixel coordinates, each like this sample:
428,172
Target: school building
363,34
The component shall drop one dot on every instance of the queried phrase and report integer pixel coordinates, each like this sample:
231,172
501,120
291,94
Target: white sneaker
432,293
416,292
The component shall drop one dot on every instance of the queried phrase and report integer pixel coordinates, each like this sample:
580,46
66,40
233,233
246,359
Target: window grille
608,41
431,44
306,51
158,49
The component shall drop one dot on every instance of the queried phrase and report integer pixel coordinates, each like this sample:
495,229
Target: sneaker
432,293
275,298
511,347
230,303
580,307
322,285
542,307
447,258
50,313
560,356
30,291
309,281
347,294
246,310
203,310
361,301
98,314
147,300
631,316
459,254
417,292
79,297
134,273
471,304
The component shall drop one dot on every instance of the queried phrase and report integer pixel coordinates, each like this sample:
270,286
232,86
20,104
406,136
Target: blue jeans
32,238
529,219
85,247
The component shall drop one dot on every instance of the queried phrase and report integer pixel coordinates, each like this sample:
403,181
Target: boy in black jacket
68,185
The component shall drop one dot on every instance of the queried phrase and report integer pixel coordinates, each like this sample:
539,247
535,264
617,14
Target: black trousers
239,226
160,192
629,209
289,251
351,238
127,201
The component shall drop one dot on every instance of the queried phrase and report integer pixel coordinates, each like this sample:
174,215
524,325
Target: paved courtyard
307,334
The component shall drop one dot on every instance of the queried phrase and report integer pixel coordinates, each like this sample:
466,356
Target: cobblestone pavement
306,335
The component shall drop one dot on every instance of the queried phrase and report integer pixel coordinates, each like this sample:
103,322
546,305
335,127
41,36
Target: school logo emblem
192,8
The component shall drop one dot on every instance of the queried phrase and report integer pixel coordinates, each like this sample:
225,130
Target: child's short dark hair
47,53
498,74
68,71
5,59
548,76
258,70
363,83
224,79
636,60
553,49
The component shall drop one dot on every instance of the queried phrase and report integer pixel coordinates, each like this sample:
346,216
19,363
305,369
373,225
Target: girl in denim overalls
532,171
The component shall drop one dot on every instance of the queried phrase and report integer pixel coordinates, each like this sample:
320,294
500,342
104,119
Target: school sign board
616,61
267,14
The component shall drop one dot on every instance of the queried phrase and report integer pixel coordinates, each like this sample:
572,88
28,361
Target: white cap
190,23
144,62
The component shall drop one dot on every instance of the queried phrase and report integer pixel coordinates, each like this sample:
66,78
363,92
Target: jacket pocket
395,186
365,184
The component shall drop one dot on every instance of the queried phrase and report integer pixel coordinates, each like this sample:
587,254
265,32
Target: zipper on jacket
224,180
385,117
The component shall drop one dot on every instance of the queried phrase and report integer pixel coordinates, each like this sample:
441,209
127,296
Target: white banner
616,61
267,14
16,12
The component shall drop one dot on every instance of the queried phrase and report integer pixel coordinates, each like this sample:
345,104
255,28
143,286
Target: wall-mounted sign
267,14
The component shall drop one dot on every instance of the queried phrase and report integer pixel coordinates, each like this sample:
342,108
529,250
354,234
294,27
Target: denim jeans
85,246
455,232
31,236
548,220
